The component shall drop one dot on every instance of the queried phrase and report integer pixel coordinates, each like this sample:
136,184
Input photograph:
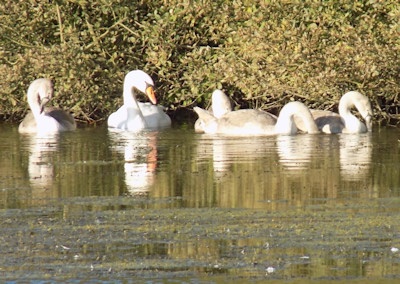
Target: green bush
262,53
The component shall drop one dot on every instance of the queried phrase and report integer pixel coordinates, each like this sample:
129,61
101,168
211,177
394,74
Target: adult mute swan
43,119
345,121
135,116
256,122
220,105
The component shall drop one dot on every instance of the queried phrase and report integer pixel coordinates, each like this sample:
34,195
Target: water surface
98,204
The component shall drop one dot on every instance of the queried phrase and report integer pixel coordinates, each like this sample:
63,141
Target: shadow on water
102,205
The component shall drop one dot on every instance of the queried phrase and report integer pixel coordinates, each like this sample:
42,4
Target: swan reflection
295,151
355,156
225,151
41,167
140,158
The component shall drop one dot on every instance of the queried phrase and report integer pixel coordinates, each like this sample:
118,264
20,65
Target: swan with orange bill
136,116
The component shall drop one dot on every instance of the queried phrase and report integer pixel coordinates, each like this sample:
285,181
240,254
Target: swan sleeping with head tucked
135,116
345,121
43,119
220,105
256,122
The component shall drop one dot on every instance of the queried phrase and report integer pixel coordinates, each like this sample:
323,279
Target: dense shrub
262,53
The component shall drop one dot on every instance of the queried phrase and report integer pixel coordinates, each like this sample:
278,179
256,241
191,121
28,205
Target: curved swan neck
34,104
136,80
39,94
285,123
130,102
129,96
363,106
347,101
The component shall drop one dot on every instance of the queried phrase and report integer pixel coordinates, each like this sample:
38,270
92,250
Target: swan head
141,81
368,122
365,109
40,92
361,103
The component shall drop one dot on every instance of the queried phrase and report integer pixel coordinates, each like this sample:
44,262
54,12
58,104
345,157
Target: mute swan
256,122
43,119
134,116
345,121
220,105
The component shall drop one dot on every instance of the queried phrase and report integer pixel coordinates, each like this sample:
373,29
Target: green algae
67,240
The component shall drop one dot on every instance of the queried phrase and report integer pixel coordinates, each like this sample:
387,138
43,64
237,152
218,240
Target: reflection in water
41,167
225,151
41,153
329,205
355,156
251,172
140,158
295,151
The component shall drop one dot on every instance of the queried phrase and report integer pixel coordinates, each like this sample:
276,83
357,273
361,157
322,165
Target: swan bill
151,94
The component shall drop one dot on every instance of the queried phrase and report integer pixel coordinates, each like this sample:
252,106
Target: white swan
134,116
43,119
345,121
256,122
220,105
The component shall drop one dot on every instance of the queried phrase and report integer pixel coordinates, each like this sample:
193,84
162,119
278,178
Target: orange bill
151,94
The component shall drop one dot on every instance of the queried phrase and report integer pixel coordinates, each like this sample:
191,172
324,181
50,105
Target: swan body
41,119
135,116
344,121
256,122
220,105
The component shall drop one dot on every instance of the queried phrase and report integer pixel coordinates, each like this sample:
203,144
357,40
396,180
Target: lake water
96,205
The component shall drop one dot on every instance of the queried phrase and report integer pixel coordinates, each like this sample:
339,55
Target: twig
104,34
128,29
20,43
60,24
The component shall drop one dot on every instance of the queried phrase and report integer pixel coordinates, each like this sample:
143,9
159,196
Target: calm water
334,198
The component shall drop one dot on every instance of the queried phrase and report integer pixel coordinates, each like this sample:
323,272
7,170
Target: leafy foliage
262,53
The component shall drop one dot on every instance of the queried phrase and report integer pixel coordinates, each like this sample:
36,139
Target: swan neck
130,102
345,104
34,103
286,118
129,96
285,122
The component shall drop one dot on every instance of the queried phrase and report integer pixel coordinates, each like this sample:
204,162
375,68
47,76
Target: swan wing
51,120
220,104
127,118
28,124
246,122
327,121
65,120
154,116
